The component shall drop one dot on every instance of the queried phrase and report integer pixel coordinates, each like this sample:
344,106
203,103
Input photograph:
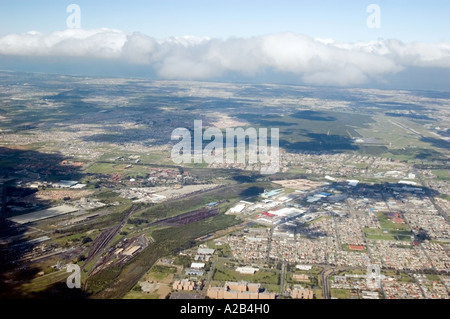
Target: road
325,286
216,260
269,245
282,278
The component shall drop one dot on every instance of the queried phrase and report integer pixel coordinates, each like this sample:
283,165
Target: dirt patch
162,287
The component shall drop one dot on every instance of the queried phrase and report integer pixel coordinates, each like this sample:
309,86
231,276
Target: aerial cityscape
311,189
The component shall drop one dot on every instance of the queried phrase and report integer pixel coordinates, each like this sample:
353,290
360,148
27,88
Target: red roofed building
398,220
356,247
268,214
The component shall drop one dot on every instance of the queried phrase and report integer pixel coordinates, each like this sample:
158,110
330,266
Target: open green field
78,237
271,288
221,250
380,234
140,295
352,272
314,271
262,276
433,277
159,157
119,168
401,276
389,230
442,174
160,272
385,223
340,293
400,143
42,283
389,133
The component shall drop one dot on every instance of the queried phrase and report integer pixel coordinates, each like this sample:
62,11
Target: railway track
102,241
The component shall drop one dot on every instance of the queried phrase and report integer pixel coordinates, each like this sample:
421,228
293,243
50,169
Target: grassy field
389,230
315,271
264,277
388,133
222,250
161,275
78,237
42,283
442,174
433,277
401,144
385,223
340,293
401,276
110,168
141,295
271,288
352,272
402,235
159,272
318,293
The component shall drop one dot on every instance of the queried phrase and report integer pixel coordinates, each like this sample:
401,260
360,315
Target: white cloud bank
314,61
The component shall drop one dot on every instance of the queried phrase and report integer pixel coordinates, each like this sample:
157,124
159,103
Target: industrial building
247,270
65,184
198,265
43,214
303,267
276,217
271,193
238,208
205,251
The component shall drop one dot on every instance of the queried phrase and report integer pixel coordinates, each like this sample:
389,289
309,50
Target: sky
325,42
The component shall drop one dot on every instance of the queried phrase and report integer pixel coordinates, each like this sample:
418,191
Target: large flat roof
43,214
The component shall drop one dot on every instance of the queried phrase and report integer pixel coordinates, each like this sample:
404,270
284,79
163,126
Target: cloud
313,61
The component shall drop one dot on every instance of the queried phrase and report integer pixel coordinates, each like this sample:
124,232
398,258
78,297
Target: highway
325,286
